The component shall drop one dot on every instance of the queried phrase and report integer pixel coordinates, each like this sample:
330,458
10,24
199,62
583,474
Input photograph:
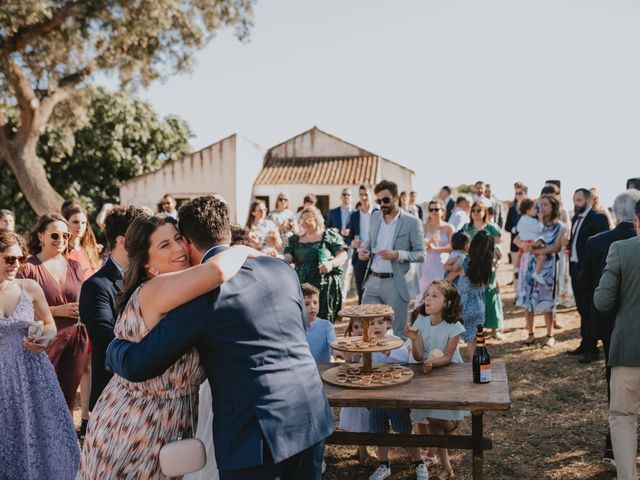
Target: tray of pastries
371,310
359,345
351,375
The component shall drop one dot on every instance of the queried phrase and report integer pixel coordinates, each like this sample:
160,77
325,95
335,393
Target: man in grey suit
395,244
619,292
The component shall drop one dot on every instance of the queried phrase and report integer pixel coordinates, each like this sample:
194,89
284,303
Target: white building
227,168
319,163
239,170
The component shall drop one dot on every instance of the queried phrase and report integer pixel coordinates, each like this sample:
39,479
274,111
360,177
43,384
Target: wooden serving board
354,378
349,344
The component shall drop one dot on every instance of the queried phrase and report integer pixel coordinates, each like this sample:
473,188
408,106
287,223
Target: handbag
184,455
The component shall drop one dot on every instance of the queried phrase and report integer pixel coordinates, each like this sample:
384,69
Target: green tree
123,137
49,49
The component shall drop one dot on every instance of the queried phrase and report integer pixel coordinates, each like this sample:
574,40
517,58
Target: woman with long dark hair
534,296
475,274
60,279
131,421
265,230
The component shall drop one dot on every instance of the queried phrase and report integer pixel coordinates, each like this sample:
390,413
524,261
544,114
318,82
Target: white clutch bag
182,456
186,455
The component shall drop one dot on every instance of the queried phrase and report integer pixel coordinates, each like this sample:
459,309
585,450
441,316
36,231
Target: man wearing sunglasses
395,243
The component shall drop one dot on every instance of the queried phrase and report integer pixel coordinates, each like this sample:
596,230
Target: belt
382,275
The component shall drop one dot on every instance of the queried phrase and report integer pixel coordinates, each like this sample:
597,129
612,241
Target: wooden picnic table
450,388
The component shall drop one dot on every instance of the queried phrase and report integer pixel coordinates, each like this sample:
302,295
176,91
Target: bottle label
485,373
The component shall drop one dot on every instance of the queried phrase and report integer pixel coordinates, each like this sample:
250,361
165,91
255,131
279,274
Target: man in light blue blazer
395,244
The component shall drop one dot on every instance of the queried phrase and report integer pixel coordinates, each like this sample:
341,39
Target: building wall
316,143
402,176
227,168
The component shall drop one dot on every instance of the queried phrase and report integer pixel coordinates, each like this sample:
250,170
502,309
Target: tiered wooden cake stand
367,375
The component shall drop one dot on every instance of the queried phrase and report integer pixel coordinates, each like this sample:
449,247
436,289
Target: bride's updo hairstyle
137,242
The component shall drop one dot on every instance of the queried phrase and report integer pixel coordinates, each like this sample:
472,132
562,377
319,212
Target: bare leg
85,391
383,454
548,322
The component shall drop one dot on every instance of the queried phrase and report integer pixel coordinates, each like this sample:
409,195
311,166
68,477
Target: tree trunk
32,177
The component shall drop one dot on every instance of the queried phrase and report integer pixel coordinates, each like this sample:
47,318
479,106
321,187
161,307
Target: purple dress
37,438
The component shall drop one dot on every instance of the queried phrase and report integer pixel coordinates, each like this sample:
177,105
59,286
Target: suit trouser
306,465
623,419
606,329
359,271
583,302
383,290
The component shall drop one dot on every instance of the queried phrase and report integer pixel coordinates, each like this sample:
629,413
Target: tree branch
24,36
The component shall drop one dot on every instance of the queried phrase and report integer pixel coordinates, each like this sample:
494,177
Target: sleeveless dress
132,421
37,438
433,266
534,296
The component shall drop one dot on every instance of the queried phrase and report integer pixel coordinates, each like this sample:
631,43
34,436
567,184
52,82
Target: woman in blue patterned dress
533,296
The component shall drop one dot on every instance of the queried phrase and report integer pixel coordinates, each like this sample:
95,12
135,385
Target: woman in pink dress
60,279
133,420
437,240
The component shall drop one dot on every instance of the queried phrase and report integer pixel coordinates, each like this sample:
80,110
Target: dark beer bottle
481,360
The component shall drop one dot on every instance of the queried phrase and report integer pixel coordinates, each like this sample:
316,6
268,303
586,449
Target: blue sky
457,90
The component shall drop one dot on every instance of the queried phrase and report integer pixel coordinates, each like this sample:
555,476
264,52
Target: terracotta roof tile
320,170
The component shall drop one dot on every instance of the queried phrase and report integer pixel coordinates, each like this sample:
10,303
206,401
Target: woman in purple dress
37,438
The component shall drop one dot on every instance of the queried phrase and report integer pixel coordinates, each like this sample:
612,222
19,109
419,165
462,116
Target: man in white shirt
168,205
460,215
358,234
394,245
479,196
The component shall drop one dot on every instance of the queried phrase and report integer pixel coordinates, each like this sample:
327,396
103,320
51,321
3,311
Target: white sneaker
381,473
324,467
421,472
538,278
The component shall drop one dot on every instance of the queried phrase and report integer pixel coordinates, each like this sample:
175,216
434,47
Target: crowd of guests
437,260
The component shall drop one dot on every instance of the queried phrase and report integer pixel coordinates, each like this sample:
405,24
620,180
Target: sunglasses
519,193
11,260
346,194
283,199
385,200
477,210
55,236
434,210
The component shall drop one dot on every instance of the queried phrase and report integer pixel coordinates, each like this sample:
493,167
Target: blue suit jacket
250,334
98,313
354,229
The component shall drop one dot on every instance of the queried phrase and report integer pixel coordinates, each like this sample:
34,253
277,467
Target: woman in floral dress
132,421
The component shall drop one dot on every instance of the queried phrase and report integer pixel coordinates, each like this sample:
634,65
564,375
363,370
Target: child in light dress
529,230
356,419
381,419
434,337
320,332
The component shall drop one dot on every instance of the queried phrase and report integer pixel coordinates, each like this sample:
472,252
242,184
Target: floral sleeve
334,242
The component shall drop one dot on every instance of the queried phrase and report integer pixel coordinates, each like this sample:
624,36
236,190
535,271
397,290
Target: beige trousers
623,421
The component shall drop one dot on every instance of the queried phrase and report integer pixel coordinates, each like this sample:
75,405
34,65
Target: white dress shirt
365,224
459,218
575,230
386,234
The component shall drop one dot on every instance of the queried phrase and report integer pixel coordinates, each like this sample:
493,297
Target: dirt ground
556,425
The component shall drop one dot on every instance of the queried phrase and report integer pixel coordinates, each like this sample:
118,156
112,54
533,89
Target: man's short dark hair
362,187
118,220
447,189
585,192
459,240
387,185
311,198
205,222
462,198
479,182
550,189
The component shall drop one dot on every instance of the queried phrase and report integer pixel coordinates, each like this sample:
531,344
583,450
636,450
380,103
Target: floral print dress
132,421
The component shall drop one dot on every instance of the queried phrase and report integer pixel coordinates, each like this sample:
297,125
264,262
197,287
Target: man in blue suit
271,416
358,234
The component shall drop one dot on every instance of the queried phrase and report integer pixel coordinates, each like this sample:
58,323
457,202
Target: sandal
430,461
531,339
446,475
